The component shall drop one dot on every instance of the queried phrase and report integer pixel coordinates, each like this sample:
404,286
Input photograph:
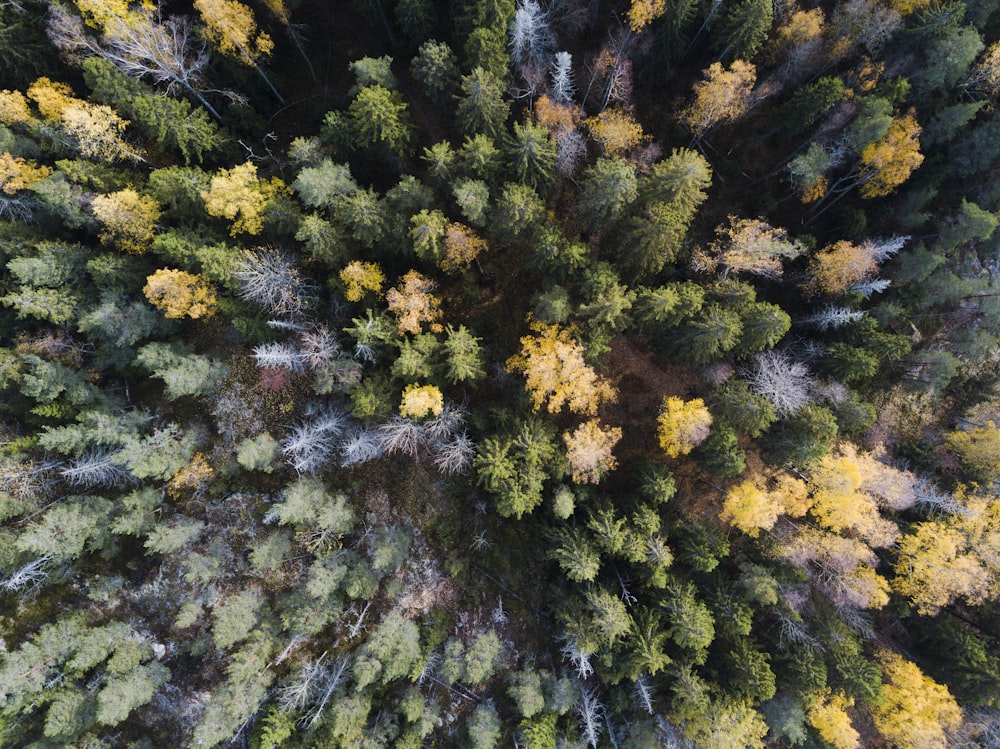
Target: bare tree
578,658
399,435
319,346
832,316
278,356
270,279
531,38
29,576
590,711
310,445
455,456
313,687
644,693
563,88
361,446
783,382
96,468
141,46
867,288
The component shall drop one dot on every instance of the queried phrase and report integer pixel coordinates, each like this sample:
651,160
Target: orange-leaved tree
413,304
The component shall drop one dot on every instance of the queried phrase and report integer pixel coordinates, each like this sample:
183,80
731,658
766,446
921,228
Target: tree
435,68
609,187
483,726
682,425
128,219
463,355
324,185
359,278
724,96
917,711
531,154
481,106
473,198
239,195
888,163
379,116
747,246
231,27
182,373
829,717
588,451
180,294
413,304
979,449
744,29
557,374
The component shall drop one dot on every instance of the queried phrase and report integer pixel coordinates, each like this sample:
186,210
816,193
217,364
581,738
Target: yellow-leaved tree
413,304
95,130
616,131
231,27
887,163
240,196
724,96
14,109
588,451
180,294
420,401
841,504
751,508
916,711
828,715
128,219
19,174
359,278
644,12
682,425
556,372
954,556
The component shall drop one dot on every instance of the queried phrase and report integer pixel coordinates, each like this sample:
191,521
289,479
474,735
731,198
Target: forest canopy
531,373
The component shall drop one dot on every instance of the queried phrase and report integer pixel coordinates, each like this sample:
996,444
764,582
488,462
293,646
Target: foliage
683,425
180,294
557,375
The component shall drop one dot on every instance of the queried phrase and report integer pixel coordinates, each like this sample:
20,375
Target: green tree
435,68
379,117
481,105
609,187
531,154
744,29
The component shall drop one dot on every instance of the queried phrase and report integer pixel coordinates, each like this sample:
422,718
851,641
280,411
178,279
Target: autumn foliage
180,294
557,375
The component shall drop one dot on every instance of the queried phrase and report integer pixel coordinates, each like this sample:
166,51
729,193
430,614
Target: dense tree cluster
535,373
